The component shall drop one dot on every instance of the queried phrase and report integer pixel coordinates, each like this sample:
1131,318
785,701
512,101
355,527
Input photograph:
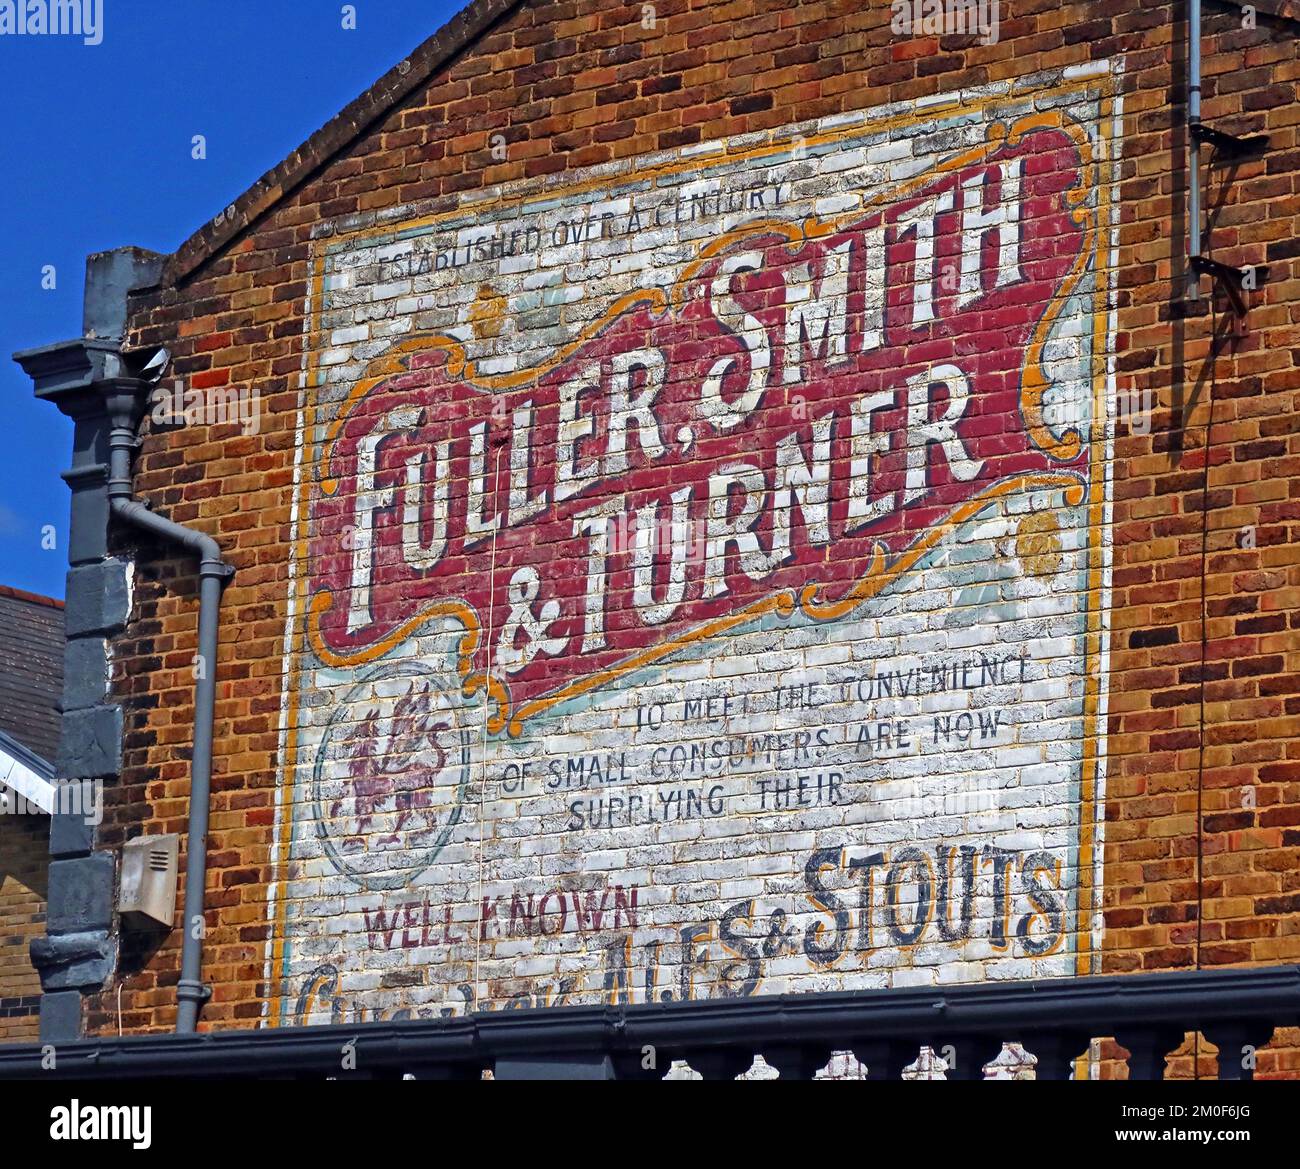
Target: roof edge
26,774
31,598
345,127
378,100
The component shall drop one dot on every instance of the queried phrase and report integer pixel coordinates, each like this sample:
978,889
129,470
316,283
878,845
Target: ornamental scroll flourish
416,369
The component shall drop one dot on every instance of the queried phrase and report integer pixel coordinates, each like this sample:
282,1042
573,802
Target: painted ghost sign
702,570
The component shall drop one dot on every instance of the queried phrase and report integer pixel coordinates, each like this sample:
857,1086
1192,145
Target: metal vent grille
148,885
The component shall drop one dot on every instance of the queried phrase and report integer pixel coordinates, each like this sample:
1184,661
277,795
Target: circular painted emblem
390,776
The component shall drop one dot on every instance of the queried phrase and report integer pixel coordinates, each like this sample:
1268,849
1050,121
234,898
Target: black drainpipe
125,403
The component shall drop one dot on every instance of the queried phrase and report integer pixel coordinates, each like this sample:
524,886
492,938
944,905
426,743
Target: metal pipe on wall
1193,145
214,573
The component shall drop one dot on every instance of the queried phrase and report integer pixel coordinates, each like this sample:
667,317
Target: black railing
1055,1020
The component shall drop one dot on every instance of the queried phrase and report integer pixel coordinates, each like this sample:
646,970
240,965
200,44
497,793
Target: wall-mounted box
148,892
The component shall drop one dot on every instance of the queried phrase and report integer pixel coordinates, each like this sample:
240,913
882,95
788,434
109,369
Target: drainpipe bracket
189,991
1234,282
217,568
1231,146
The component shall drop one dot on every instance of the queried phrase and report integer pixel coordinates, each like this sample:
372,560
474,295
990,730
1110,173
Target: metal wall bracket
1231,149
1234,281
1230,146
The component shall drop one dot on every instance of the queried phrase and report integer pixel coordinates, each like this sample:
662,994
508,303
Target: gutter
124,398
26,775
1231,1006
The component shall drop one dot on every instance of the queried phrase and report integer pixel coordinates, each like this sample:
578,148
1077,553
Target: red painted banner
803,409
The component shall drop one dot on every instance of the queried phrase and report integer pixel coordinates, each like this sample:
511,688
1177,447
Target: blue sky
95,150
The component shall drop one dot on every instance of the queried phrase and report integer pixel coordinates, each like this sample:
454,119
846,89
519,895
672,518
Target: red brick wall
1202,815
24,860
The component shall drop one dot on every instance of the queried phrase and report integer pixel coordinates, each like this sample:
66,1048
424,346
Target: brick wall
24,859
1134,570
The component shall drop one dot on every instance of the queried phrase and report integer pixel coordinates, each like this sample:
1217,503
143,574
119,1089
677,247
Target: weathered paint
702,573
